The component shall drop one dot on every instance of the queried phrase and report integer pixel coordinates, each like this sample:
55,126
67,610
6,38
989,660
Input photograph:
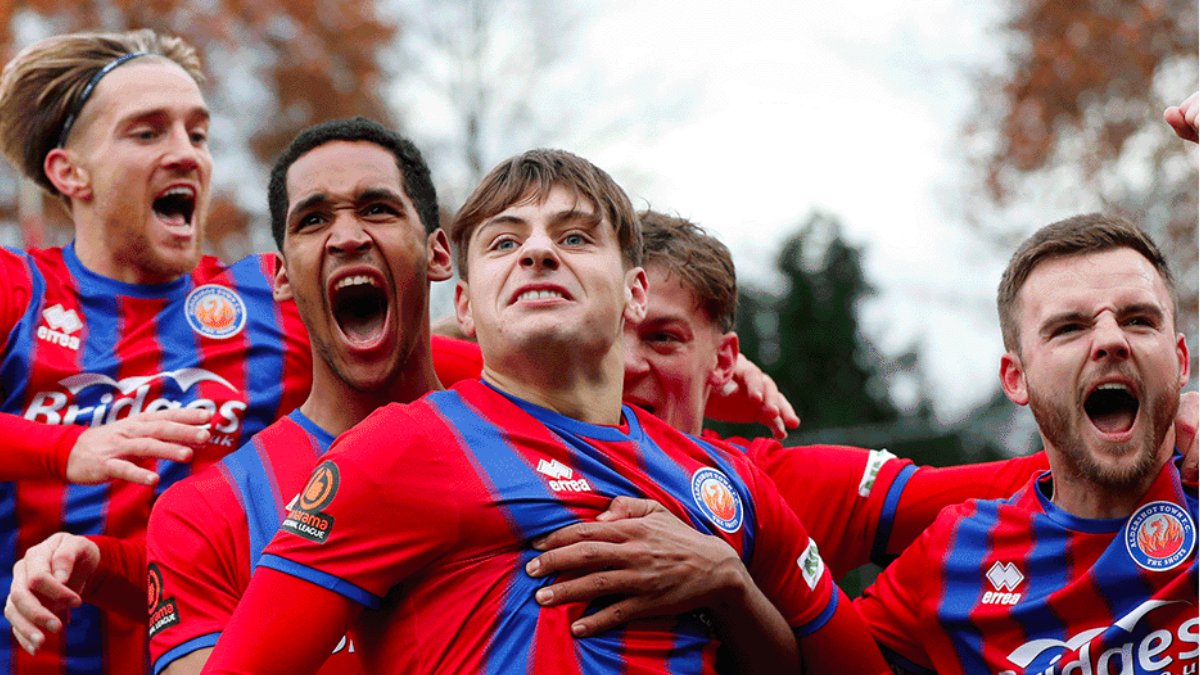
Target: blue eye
505,245
574,240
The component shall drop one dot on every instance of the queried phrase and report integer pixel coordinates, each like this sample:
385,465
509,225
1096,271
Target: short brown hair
1089,233
700,260
529,177
42,86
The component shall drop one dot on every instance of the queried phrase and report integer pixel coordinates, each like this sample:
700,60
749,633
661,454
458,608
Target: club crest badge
215,311
717,499
1160,536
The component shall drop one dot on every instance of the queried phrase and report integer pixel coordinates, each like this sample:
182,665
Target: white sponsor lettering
570,486
998,598
1146,654
131,396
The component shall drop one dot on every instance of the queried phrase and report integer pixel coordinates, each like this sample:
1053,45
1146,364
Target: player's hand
752,396
107,452
1186,422
1182,118
639,550
47,584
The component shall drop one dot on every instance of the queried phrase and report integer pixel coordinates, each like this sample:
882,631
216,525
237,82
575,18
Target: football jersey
207,532
863,505
427,512
83,349
1021,587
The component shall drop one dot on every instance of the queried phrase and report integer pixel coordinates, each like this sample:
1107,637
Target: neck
335,406
585,389
1085,498
96,255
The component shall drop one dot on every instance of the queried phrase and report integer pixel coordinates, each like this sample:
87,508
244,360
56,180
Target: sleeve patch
306,517
811,565
164,613
875,461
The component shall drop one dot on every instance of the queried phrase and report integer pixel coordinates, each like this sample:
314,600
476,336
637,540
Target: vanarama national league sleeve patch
306,516
164,613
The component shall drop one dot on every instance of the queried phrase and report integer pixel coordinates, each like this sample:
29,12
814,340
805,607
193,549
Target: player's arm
193,559
900,607
910,506
455,359
640,550
283,624
66,570
91,455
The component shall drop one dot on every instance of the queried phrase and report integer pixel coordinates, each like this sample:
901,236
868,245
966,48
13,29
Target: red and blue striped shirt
82,349
207,533
1022,587
427,512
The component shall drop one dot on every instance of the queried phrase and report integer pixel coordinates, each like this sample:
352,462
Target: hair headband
87,93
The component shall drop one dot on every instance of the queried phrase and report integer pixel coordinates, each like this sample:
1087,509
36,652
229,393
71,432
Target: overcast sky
744,117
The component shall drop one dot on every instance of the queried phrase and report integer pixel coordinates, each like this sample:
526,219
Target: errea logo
59,326
1004,578
562,477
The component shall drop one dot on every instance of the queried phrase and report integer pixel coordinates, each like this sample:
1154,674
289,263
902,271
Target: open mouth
539,294
360,308
1112,408
176,206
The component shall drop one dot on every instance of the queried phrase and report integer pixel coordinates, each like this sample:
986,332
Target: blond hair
46,85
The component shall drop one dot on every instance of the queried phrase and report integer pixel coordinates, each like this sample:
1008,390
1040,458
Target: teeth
358,280
181,191
538,295
1113,386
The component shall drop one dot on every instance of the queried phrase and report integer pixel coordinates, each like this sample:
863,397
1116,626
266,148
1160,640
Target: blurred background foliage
1074,106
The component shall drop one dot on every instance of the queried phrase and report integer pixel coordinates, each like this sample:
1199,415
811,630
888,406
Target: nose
1109,341
347,234
538,253
183,154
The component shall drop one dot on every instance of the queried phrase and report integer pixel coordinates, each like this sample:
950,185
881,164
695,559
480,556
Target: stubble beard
1060,424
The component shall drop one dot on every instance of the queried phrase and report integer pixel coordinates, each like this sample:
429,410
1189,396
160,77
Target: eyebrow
1147,308
587,217
372,194
142,115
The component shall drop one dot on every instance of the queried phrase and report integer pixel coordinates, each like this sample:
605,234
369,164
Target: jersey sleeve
786,562
35,450
116,585
17,285
900,608
371,514
192,575
930,489
844,495
455,360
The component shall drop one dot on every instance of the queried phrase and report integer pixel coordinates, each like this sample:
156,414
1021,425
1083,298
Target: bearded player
117,344
441,499
859,505
1091,568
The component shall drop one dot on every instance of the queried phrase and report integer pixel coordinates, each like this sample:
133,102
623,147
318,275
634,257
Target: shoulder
257,269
